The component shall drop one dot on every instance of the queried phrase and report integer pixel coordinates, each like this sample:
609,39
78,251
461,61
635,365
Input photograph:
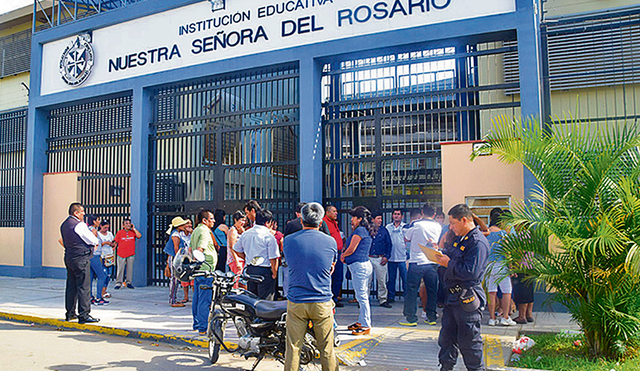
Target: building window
15,53
599,50
482,205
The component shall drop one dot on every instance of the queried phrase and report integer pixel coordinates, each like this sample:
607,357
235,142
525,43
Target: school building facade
157,108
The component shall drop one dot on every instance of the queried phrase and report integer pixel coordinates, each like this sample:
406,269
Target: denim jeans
109,272
201,303
98,272
428,273
336,279
361,273
394,267
285,281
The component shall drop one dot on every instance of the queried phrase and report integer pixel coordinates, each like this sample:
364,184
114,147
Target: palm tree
580,227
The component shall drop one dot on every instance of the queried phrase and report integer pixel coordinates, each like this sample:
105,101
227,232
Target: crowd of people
393,256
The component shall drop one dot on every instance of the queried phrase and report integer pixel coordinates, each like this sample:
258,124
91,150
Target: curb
349,353
353,352
51,322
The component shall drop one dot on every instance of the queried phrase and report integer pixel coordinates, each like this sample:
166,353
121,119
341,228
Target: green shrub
587,203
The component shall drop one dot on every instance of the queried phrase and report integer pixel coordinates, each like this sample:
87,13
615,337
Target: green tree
579,230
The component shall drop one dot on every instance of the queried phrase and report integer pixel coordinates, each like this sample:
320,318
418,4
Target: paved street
145,313
25,347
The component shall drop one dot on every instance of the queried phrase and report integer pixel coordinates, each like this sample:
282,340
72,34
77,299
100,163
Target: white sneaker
507,322
493,322
424,315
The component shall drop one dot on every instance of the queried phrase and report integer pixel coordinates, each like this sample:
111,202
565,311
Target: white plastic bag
523,344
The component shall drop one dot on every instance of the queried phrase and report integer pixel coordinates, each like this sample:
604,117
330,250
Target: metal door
219,142
386,115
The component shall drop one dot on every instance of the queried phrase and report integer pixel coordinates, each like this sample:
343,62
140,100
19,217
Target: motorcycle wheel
309,354
214,345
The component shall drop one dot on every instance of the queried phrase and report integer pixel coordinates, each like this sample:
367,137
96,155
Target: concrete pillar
142,116
530,60
35,167
311,150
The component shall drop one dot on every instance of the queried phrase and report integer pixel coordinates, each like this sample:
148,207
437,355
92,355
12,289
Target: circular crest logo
76,61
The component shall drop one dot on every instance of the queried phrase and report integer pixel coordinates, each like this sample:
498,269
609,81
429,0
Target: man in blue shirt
379,256
311,256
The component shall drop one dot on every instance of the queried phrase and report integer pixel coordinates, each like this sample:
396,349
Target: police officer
79,244
465,264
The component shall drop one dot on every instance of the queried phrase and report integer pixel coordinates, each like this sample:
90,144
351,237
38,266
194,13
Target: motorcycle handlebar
220,274
249,277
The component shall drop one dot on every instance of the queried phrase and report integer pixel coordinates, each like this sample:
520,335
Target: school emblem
217,5
76,62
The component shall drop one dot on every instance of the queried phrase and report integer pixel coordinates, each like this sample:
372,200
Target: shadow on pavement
176,362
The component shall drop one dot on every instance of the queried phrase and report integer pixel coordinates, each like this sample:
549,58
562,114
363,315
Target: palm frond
587,201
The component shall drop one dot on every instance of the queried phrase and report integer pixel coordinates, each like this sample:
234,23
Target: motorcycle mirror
257,260
198,255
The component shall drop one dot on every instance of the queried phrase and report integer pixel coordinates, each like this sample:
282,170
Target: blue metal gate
386,114
219,142
13,128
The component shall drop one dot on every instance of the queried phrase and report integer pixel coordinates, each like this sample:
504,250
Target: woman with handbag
356,256
174,244
97,269
107,255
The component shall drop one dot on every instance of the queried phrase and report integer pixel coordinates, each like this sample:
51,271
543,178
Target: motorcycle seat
270,310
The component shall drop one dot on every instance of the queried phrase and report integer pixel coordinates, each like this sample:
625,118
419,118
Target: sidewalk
144,313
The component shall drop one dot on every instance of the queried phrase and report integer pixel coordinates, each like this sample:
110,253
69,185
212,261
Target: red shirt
335,231
279,236
126,243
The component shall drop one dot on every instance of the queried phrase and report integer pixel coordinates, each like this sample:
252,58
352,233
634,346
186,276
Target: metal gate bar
385,117
13,127
218,142
94,139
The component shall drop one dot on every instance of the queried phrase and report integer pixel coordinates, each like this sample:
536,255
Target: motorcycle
260,324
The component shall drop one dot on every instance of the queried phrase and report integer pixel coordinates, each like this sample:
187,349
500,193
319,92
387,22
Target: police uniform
461,329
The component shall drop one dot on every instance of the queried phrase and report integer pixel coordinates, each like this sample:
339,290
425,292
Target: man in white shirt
398,259
423,232
260,242
79,243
